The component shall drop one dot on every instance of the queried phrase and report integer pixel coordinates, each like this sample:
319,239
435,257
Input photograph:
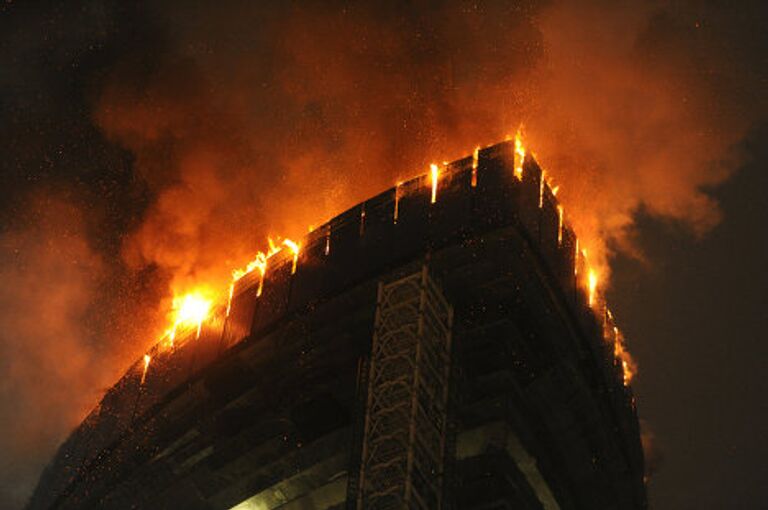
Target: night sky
111,115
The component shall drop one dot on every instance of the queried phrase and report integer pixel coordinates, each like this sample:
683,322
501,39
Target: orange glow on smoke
435,175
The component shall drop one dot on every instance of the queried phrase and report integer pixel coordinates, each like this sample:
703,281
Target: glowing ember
362,220
147,359
519,155
435,174
475,160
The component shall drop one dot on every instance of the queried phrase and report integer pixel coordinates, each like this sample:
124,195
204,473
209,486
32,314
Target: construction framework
406,420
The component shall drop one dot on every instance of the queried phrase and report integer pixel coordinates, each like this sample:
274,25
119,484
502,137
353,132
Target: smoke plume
51,371
263,120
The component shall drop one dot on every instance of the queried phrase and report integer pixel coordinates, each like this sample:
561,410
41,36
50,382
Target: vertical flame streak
576,259
229,298
295,248
435,175
592,286
559,224
475,160
260,289
519,155
147,359
542,183
397,203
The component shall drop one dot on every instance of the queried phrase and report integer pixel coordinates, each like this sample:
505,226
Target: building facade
435,346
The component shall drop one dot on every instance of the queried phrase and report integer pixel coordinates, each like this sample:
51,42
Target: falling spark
592,286
328,240
542,182
435,174
559,224
362,220
475,160
147,359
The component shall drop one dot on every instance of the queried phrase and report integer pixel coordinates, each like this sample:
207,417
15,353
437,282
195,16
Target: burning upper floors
267,400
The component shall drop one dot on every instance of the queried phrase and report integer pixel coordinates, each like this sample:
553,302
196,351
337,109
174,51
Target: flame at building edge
192,309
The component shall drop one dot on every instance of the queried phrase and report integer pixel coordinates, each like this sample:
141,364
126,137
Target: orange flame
191,309
475,160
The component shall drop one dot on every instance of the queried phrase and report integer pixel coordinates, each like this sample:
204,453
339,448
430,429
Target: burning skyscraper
440,345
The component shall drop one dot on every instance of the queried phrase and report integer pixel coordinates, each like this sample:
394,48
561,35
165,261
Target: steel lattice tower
405,425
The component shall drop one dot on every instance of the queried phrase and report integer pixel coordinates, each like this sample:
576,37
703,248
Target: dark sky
111,115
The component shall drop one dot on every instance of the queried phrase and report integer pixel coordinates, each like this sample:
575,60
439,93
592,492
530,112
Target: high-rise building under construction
436,346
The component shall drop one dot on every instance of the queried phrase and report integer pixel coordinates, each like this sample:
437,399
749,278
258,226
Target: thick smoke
260,121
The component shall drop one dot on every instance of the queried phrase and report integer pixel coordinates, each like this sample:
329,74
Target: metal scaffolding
404,442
